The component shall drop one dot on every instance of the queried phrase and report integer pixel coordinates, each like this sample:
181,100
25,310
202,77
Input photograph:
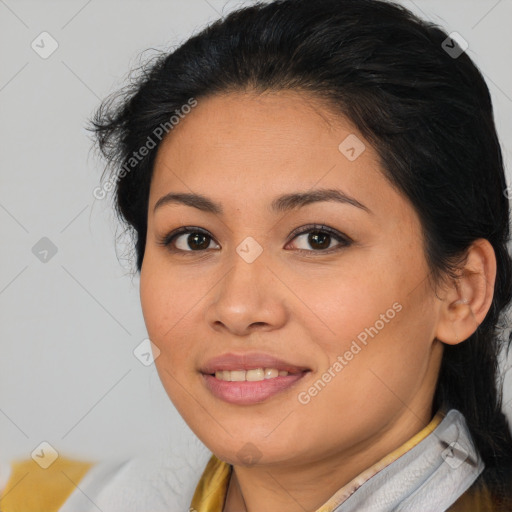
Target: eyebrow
279,204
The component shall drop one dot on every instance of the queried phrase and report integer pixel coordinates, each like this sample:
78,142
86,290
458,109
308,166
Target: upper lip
248,361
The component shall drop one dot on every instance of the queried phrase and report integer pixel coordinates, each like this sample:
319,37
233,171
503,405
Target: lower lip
247,393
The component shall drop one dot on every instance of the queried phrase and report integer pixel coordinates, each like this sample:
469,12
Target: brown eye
320,239
188,239
194,241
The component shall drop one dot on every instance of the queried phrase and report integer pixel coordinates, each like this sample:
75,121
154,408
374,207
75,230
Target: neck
293,488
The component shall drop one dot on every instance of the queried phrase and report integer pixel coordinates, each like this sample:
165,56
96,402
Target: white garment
428,478
156,484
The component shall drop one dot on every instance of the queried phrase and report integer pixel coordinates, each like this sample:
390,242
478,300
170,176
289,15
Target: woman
316,194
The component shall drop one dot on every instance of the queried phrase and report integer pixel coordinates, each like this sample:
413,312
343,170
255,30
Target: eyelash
344,240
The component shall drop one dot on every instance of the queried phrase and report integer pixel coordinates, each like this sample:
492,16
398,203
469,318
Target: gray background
69,325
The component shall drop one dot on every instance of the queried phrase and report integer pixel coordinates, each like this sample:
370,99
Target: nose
248,298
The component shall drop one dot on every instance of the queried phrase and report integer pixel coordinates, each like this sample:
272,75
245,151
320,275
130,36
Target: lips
249,361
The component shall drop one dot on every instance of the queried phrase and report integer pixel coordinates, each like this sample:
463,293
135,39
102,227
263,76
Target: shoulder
157,482
139,484
483,496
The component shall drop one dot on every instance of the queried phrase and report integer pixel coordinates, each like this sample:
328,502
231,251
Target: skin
242,150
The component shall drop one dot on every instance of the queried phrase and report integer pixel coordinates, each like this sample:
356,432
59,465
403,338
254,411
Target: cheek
156,305
372,371
166,299
389,356
165,316
380,317
173,308
350,299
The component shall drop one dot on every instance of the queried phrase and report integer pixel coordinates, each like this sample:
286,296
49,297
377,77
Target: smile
247,392
255,375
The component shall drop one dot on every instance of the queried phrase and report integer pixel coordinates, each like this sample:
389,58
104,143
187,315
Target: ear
467,300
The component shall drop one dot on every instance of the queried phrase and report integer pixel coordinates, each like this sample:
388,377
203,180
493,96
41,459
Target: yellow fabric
33,489
211,490
210,493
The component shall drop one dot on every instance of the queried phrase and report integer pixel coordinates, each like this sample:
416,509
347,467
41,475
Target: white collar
430,476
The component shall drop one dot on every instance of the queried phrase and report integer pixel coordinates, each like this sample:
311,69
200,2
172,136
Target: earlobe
468,299
463,322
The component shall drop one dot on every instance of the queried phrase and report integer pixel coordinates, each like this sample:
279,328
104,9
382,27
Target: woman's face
332,286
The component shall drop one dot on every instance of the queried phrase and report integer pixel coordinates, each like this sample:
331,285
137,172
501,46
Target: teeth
250,375
270,373
237,375
254,375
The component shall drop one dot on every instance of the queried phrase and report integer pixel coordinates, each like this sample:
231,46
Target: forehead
251,145
253,123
